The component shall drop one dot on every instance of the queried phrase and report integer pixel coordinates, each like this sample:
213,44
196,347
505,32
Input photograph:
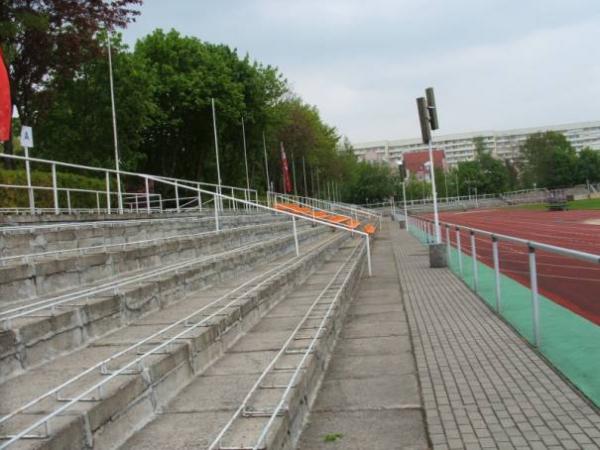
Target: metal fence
549,294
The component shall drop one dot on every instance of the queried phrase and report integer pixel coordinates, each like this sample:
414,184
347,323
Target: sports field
569,282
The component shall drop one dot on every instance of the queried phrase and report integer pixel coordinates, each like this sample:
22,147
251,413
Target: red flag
287,181
5,102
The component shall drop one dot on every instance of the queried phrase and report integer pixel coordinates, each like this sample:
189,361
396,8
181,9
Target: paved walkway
370,396
482,385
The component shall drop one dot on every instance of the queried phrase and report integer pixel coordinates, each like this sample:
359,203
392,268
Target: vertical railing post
69,201
459,252
98,201
496,258
534,296
55,190
177,196
107,192
216,212
29,188
199,197
448,249
474,257
147,195
137,202
369,255
295,236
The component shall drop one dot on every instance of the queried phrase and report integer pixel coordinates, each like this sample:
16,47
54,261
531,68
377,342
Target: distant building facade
417,163
460,147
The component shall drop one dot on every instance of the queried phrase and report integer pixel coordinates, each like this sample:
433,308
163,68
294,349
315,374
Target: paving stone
468,360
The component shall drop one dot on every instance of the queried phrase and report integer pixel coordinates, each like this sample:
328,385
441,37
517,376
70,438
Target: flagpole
216,151
114,121
246,161
266,167
304,170
294,173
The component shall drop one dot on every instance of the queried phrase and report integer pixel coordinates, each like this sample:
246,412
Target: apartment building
460,147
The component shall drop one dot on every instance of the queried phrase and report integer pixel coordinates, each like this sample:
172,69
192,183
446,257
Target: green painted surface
570,342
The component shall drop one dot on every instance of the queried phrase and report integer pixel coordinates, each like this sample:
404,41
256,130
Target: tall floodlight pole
294,173
304,170
114,122
429,121
266,168
216,151
246,161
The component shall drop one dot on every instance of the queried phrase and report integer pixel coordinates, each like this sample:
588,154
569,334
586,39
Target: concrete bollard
437,255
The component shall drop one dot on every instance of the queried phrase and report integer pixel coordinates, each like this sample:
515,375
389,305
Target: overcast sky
495,64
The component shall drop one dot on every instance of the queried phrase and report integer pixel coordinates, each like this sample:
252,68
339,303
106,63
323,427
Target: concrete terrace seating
50,306
44,237
147,341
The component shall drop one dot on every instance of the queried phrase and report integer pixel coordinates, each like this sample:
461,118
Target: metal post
55,190
436,217
534,297
295,236
69,201
369,256
448,246
304,170
245,160
404,198
137,203
474,256
216,152
199,197
266,168
496,272
29,188
459,250
98,201
216,213
147,195
114,120
177,196
107,192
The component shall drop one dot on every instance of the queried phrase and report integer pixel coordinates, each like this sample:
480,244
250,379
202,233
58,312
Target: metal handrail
270,274
426,226
217,440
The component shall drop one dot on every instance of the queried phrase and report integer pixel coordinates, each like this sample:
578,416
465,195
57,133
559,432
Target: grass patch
332,437
587,204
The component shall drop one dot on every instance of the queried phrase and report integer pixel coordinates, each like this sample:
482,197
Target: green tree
185,74
588,166
78,125
549,160
43,39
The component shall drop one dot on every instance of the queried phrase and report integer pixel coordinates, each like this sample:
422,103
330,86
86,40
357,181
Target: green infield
592,203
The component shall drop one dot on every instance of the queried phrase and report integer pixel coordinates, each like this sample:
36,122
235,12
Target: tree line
57,55
163,91
545,160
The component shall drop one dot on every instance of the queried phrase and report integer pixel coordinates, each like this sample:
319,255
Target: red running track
569,282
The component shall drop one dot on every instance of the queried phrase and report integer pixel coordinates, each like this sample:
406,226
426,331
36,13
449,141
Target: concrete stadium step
37,238
53,273
152,359
44,330
265,384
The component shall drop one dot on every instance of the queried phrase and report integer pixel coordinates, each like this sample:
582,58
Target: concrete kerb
32,341
135,399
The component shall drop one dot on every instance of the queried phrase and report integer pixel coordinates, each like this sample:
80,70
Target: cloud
495,64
